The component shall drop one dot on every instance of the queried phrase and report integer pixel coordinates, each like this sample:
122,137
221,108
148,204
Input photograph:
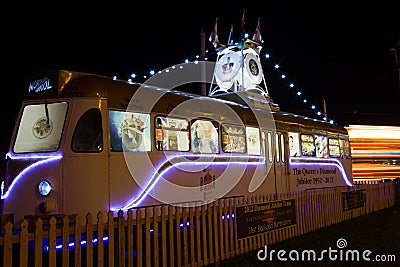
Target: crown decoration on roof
238,66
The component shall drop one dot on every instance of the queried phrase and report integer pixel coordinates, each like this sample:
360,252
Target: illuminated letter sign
40,85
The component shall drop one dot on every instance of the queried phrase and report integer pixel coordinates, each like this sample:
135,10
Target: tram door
281,163
268,152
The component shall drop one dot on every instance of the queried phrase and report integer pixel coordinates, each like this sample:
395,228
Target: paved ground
378,232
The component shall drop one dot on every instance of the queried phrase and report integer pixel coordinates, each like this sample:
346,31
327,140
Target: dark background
331,50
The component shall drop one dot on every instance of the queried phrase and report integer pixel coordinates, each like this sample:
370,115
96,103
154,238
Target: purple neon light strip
46,160
33,156
322,162
256,160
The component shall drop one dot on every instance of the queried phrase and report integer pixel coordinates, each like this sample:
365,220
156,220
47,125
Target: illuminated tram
88,143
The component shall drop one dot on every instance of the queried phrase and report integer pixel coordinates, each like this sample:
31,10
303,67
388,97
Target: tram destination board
354,199
258,218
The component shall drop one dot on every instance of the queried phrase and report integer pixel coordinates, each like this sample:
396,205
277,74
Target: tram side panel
318,161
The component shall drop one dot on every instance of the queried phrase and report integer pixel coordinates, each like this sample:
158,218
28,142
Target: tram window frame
88,133
347,149
304,140
196,140
180,140
277,150
282,141
334,147
233,138
119,123
294,144
321,146
270,147
38,133
253,140
344,148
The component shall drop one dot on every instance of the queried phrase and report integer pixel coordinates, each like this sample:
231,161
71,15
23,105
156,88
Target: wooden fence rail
175,235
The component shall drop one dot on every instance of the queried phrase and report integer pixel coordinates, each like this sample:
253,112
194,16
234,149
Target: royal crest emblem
42,128
254,67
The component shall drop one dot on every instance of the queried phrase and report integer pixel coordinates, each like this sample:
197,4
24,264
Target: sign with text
41,85
258,218
354,199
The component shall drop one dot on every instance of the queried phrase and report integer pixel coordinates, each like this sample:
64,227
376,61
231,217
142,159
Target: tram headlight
45,188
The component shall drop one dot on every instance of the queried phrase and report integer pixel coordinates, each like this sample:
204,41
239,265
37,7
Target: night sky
329,50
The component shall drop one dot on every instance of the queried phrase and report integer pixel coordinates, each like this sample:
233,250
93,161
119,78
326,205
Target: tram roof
64,83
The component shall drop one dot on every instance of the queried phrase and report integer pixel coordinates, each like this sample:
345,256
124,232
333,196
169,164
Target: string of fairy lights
298,92
134,77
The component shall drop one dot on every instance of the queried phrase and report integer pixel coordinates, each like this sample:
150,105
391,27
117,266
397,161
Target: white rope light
141,78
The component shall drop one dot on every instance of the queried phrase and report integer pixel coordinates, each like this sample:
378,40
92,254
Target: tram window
344,149
347,148
233,138
294,144
270,151
283,148
334,149
321,146
38,132
307,145
277,147
171,134
253,140
129,131
204,136
88,134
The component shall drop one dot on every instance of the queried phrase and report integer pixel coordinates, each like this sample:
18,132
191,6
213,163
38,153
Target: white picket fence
172,235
